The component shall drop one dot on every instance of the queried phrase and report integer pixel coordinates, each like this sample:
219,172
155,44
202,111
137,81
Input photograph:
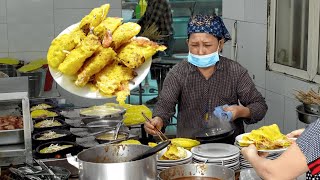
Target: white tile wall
76,4
28,56
63,18
275,114
3,11
290,115
275,82
251,40
29,37
233,9
30,11
255,11
3,38
4,54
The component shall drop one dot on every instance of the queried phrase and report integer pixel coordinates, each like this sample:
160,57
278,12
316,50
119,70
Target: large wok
197,170
110,162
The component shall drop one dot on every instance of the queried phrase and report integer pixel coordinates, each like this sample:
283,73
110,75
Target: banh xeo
54,148
174,153
102,52
266,138
40,106
50,135
43,113
47,123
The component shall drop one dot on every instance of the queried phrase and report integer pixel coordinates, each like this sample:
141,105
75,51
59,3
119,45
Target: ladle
152,151
115,136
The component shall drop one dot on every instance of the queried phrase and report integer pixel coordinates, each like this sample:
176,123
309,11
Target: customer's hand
150,127
251,151
295,133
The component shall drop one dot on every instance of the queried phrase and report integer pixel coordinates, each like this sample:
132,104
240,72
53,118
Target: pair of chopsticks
164,137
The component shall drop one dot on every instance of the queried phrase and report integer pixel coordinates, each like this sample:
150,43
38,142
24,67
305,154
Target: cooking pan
197,171
68,136
58,154
121,137
110,162
63,126
213,133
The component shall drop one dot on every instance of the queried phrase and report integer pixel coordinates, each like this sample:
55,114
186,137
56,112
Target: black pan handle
152,151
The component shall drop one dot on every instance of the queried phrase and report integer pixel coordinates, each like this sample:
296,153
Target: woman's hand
150,127
252,151
295,133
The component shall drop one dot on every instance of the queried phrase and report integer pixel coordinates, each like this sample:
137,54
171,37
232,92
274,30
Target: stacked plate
244,164
164,164
217,153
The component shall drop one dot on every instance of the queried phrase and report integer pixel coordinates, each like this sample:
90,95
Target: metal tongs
159,133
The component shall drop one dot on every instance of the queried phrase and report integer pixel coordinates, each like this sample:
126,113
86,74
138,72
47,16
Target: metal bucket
10,70
35,83
110,162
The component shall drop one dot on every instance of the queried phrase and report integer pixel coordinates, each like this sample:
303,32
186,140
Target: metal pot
197,170
110,162
312,108
305,117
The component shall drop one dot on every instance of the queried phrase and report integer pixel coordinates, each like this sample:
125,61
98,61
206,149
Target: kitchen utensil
305,117
111,134
117,130
312,108
74,149
152,151
63,125
164,137
197,170
110,162
68,136
106,111
46,168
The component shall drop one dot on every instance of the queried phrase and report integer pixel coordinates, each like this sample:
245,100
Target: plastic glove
221,114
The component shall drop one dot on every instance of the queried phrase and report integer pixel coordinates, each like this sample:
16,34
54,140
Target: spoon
115,136
152,151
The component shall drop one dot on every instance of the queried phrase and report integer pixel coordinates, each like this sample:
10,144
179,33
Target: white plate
273,151
67,82
189,156
188,161
215,150
219,160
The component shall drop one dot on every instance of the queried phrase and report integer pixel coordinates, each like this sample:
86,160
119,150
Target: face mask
204,61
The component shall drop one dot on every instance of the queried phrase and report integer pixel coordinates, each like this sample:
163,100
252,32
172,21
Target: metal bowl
107,124
121,136
312,108
305,117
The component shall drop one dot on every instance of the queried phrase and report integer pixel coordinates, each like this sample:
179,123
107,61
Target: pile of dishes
164,164
217,153
244,164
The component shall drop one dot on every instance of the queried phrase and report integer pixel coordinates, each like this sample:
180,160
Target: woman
206,81
302,156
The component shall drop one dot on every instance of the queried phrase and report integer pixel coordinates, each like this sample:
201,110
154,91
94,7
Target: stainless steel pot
197,170
110,162
305,117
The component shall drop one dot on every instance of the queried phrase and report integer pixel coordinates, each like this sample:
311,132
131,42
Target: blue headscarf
210,24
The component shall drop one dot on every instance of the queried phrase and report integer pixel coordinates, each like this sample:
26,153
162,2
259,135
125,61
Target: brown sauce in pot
196,178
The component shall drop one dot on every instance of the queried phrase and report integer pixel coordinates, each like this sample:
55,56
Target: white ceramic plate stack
244,164
217,153
164,164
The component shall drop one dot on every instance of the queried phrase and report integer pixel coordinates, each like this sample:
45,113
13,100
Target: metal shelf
19,153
